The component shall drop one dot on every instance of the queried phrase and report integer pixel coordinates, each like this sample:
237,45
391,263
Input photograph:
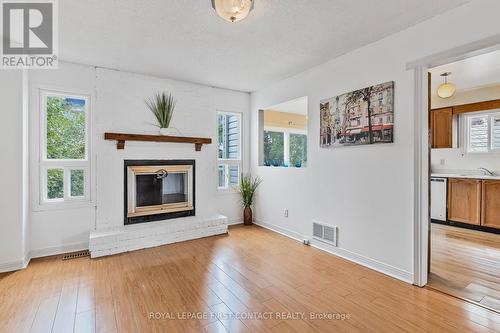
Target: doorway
464,178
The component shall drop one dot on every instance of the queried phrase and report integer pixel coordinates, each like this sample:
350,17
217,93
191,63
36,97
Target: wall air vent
325,233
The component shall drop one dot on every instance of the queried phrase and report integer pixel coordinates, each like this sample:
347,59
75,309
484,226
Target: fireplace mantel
120,139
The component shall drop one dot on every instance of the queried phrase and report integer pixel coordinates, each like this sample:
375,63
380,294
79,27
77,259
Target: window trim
43,163
465,120
227,161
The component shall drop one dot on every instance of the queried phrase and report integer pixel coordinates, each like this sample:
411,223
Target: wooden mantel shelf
120,139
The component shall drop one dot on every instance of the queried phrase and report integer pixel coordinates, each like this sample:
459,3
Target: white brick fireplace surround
118,106
144,235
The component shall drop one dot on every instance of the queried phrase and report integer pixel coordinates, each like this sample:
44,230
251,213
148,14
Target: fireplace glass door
159,189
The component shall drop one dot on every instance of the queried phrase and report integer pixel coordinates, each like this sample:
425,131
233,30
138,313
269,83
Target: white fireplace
162,193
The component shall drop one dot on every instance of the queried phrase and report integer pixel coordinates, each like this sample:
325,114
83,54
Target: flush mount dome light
233,10
446,89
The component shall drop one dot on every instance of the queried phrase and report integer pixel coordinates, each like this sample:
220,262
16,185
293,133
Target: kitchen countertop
463,175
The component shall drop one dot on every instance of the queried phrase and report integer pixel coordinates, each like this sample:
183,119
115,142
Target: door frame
421,148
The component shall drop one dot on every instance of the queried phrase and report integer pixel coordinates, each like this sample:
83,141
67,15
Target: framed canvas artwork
360,117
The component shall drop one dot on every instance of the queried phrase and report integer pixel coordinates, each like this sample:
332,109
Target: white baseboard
15,265
376,265
283,231
49,251
55,250
235,222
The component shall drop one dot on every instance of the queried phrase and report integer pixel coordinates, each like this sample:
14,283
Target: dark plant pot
247,216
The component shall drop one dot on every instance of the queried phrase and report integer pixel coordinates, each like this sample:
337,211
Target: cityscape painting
360,117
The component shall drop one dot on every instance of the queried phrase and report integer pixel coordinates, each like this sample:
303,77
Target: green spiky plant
248,186
162,106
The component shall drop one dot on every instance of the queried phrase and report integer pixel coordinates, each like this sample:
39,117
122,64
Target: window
229,149
64,139
298,150
283,134
285,148
482,132
274,148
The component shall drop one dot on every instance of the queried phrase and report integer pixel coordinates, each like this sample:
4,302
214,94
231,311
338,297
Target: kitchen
465,179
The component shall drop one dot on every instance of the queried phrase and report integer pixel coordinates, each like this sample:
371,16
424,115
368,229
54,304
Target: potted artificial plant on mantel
162,106
248,186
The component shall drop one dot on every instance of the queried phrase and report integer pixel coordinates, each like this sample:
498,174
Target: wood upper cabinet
490,213
464,200
441,128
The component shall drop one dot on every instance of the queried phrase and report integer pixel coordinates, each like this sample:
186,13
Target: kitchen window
229,149
64,163
482,132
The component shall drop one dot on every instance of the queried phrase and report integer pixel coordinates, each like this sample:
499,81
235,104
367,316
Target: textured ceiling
184,39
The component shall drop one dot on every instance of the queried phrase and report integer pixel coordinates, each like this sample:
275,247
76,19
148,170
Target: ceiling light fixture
446,89
233,10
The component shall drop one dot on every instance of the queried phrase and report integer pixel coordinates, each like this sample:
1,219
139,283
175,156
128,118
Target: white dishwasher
438,198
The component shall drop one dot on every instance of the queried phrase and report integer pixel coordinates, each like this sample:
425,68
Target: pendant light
233,10
446,90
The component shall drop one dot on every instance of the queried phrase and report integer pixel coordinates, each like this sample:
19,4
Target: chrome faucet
486,171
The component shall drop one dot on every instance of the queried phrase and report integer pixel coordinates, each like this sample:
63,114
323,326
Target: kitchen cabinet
490,203
441,122
464,200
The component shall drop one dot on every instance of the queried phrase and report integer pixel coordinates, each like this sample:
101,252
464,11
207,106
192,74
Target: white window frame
286,142
67,165
227,163
465,119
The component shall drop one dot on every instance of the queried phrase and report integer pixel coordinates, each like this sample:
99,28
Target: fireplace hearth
158,190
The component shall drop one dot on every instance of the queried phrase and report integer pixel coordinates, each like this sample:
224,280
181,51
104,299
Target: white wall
451,160
118,105
367,191
57,230
13,197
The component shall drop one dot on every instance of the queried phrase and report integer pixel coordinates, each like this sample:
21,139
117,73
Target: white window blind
495,132
229,149
483,132
478,134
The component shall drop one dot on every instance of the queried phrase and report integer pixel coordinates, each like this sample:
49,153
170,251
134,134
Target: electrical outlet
442,161
285,213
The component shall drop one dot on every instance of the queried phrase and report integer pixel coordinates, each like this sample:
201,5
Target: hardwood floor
250,271
466,263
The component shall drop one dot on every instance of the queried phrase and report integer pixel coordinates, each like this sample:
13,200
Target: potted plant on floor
248,186
162,106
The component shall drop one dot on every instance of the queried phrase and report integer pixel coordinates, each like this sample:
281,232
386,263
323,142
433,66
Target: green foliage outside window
77,181
274,148
55,183
65,129
298,150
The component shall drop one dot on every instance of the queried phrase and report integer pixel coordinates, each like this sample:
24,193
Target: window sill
227,191
54,206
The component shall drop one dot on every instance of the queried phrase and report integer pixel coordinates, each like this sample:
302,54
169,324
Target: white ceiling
184,39
475,72
298,106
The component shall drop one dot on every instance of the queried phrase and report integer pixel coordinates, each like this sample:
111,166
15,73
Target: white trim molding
56,250
378,266
15,265
421,148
